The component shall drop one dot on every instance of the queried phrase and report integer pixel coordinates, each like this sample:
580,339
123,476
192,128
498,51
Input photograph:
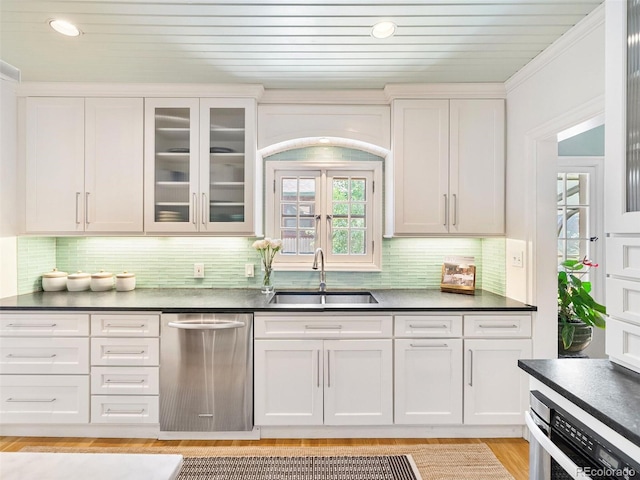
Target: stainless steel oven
562,447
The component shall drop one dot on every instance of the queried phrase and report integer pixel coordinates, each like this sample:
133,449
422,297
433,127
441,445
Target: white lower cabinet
125,409
323,382
428,381
495,389
44,399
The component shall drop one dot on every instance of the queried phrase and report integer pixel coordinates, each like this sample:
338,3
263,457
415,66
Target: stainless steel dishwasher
206,373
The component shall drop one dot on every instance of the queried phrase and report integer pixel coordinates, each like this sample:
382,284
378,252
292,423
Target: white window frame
372,261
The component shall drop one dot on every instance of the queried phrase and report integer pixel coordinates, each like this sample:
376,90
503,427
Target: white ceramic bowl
101,281
78,282
54,281
125,281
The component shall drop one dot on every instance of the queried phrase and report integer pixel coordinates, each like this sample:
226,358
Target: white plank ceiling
282,44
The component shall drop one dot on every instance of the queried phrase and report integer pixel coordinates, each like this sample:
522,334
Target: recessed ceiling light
383,30
64,27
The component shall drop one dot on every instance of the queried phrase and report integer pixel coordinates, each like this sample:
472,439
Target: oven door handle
558,455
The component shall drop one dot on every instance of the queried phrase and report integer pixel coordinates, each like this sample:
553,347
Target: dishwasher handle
558,455
198,325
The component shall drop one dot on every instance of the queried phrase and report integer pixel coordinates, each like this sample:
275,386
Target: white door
428,381
288,382
495,389
227,158
172,197
54,165
477,166
113,164
358,382
421,166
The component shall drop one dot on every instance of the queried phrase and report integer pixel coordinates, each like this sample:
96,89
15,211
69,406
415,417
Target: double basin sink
322,298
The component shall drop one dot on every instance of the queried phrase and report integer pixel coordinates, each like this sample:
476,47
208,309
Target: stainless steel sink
322,298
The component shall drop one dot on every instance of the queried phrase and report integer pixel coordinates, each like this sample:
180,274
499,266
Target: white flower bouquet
267,248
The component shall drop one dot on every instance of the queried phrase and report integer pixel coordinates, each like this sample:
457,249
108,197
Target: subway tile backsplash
167,262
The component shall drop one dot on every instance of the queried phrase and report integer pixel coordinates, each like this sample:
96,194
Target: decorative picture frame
458,275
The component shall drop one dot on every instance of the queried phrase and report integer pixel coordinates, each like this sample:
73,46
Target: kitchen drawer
44,355
125,351
623,343
494,326
125,409
623,299
44,325
623,257
428,326
125,380
125,325
44,399
319,326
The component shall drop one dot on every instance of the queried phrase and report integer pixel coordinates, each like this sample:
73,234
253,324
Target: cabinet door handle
318,368
31,400
86,207
513,325
112,352
108,380
78,220
127,325
11,355
205,415
428,326
204,209
470,368
433,345
33,325
328,368
194,206
446,209
126,412
455,209
323,327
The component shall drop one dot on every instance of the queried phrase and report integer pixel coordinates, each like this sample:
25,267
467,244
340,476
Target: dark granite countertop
186,300
607,391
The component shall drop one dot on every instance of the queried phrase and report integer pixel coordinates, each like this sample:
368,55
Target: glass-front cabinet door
199,165
172,164
227,149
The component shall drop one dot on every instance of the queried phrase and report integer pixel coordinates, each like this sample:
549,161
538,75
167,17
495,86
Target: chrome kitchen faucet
323,277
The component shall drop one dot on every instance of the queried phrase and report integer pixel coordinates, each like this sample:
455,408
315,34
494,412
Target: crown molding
9,72
444,90
324,97
180,90
583,28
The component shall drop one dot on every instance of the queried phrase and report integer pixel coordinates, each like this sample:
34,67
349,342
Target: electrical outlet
517,259
198,270
248,270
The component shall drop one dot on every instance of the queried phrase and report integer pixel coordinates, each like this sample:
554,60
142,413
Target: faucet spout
323,278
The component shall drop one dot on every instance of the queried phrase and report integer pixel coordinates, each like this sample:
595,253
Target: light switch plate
248,270
198,270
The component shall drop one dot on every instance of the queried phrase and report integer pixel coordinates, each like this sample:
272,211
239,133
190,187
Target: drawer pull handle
127,412
323,327
428,326
108,380
126,325
34,325
31,400
112,352
11,355
513,325
205,415
439,345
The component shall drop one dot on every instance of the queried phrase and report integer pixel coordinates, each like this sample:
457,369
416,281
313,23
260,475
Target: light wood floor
512,452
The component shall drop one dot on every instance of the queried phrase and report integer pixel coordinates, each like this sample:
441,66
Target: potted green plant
578,312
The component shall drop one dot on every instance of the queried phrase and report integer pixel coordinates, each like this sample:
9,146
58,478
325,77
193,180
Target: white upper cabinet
449,169
200,156
84,165
477,166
